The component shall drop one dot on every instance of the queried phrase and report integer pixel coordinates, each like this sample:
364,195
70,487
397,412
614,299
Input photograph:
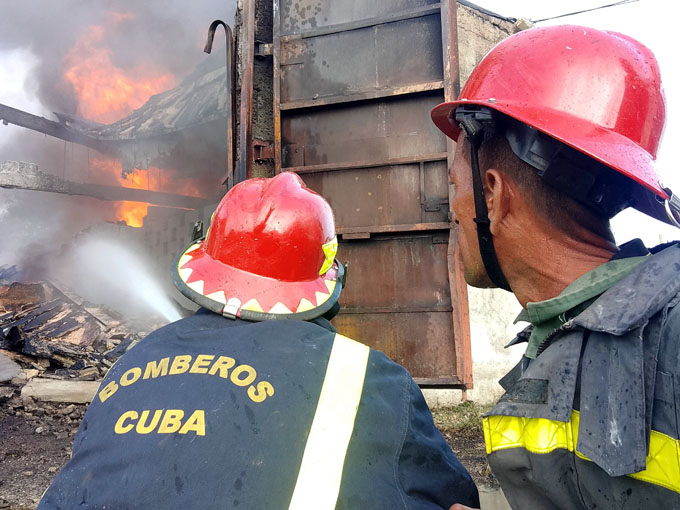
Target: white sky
653,23
649,21
17,92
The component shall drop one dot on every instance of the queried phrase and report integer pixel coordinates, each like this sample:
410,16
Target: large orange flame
109,171
105,92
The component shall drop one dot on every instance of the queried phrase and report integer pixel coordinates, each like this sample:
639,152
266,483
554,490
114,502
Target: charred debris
55,346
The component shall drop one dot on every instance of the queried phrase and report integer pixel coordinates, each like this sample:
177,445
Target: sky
649,21
652,23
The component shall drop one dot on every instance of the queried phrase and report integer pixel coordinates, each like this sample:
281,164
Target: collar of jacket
644,291
618,381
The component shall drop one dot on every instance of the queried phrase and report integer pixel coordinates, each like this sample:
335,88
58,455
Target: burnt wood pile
52,343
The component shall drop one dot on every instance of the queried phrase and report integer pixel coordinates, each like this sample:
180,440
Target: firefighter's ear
497,192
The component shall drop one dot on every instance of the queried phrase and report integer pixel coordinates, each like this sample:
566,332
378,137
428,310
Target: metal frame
228,178
245,158
461,314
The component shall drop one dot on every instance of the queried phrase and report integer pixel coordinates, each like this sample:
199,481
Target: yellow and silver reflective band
318,481
540,435
330,249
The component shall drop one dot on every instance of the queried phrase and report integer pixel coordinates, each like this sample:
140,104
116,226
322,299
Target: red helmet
599,92
269,253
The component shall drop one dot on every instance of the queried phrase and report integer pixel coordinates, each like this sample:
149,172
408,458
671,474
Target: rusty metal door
354,82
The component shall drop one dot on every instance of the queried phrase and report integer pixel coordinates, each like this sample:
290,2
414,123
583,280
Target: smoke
167,33
106,272
38,36
36,39
36,225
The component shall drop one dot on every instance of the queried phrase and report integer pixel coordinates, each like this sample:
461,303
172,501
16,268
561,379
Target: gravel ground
36,442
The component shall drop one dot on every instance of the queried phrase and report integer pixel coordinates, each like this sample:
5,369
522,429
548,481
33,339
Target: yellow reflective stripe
318,482
540,435
663,462
330,250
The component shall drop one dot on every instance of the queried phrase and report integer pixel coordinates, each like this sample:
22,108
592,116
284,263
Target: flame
105,92
132,213
109,171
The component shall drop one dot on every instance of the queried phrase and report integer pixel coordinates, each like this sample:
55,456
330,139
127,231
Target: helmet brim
604,145
236,293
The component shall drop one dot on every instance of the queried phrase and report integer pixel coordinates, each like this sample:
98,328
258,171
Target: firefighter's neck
538,259
547,262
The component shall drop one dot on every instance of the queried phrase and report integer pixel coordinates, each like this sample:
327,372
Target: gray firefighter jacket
594,420
211,413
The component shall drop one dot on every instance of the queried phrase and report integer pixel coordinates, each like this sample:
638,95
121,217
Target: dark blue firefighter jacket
210,413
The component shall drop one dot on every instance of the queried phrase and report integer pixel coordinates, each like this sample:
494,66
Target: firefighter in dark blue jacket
557,131
241,407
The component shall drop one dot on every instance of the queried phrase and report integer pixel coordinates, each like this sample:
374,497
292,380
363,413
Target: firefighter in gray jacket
557,130
256,402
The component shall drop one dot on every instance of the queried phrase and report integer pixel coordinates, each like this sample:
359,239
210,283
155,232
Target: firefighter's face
463,215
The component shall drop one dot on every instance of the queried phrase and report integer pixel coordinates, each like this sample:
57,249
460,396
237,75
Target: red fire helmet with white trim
269,253
597,91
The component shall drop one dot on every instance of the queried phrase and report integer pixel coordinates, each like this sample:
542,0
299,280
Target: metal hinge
435,205
262,150
263,49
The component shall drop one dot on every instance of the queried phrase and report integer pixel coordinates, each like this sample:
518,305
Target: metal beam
245,137
19,175
9,115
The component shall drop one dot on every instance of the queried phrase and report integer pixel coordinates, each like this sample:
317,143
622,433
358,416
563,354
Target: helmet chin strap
474,131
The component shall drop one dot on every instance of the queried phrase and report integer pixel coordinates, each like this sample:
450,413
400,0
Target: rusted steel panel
373,130
379,57
408,316
409,271
419,341
300,15
401,194
354,84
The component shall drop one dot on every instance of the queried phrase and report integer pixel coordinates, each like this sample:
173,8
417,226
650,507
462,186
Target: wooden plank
9,115
54,390
17,175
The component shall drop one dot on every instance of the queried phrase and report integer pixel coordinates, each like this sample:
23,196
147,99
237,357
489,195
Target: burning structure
335,91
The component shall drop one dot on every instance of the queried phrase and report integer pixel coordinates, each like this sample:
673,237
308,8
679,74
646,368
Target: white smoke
106,272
